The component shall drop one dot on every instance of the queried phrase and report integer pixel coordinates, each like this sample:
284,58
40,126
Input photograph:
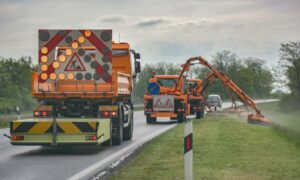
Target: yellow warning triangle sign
75,64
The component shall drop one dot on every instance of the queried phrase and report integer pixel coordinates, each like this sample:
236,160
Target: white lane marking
96,166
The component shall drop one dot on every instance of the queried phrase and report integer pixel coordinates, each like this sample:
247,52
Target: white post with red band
188,150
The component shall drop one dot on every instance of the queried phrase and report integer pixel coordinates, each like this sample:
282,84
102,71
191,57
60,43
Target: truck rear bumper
69,132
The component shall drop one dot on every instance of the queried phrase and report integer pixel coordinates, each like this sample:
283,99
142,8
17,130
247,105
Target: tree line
15,84
290,65
250,74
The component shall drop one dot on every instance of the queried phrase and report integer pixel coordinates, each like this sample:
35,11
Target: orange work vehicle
83,87
196,98
165,99
256,118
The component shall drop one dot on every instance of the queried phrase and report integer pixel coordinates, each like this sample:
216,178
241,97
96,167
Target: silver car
214,100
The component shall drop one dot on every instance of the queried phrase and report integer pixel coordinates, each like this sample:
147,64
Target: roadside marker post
188,150
18,112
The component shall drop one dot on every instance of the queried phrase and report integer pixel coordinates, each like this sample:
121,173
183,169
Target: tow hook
6,136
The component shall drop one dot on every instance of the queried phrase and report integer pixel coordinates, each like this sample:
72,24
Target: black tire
154,120
199,115
181,117
150,120
117,123
128,131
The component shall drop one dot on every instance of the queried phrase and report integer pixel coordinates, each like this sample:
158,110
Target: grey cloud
113,19
153,22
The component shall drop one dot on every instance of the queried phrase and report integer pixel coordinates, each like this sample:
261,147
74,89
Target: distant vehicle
214,100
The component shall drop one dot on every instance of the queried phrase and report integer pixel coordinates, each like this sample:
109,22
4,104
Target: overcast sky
171,30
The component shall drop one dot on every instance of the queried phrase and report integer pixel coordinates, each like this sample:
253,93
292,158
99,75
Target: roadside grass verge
224,148
287,123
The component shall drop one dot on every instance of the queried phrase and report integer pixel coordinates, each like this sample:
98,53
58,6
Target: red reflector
105,113
16,138
93,138
188,143
44,113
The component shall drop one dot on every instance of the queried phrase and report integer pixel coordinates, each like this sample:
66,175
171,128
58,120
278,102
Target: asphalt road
35,162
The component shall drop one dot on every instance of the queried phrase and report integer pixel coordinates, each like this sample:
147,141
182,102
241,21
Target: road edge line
95,167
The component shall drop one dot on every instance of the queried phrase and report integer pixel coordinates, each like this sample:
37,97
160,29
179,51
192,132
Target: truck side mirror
137,66
137,56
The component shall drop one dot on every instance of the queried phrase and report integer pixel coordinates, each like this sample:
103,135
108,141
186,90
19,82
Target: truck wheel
150,120
181,117
117,122
128,131
199,115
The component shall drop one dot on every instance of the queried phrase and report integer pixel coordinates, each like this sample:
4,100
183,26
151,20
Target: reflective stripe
40,127
69,127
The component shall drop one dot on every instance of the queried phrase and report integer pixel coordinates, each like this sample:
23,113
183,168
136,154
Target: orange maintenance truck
196,98
83,86
166,97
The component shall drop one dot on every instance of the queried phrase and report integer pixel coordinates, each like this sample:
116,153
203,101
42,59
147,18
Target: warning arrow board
163,103
75,64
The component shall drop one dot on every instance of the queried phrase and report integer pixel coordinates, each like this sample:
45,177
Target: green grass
289,120
224,148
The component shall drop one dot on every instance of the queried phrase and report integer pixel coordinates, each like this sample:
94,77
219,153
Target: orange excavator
256,118
210,80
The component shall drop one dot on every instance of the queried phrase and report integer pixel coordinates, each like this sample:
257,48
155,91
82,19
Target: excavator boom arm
223,78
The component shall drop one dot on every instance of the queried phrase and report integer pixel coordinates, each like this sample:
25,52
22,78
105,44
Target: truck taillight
180,110
91,138
108,113
17,138
148,109
42,113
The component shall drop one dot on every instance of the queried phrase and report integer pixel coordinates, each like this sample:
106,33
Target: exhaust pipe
5,135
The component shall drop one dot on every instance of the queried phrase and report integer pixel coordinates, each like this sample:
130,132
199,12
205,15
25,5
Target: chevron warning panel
46,127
